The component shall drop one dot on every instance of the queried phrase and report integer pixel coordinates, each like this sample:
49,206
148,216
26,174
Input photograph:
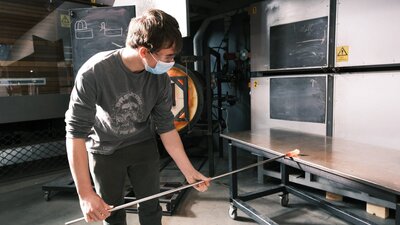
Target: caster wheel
46,195
232,212
284,200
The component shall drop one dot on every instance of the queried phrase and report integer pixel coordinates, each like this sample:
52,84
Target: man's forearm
173,144
78,162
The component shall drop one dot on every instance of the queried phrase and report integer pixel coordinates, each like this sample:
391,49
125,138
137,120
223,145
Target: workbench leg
284,174
260,171
285,181
232,156
397,216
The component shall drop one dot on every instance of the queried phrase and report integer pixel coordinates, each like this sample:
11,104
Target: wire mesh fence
29,148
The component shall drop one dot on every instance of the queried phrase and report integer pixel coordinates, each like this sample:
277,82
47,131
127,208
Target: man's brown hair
154,30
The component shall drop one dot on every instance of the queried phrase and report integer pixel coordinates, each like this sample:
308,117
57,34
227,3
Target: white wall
367,108
370,29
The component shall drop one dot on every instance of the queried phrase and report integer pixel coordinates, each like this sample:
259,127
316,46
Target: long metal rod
293,153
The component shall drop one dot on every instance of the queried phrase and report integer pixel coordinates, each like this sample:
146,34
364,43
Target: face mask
160,68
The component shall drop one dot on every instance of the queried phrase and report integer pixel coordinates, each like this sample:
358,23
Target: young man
118,97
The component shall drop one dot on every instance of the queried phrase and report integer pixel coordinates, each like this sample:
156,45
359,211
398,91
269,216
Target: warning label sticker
342,54
65,21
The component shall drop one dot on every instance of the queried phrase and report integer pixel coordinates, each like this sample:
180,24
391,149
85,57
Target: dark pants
140,162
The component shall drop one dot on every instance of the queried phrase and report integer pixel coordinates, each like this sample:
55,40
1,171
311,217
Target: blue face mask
160,68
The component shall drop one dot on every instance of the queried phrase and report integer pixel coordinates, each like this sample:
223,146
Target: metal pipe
199,36
290,154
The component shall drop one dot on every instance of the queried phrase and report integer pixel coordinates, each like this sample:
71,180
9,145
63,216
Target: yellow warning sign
254,10
65,20
342,54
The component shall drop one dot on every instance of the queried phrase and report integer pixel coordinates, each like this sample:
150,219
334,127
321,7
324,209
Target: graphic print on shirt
127,111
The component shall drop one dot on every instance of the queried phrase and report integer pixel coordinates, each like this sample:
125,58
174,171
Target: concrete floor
22,203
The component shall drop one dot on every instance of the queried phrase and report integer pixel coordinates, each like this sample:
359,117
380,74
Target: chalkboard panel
299,45
298,99
98,29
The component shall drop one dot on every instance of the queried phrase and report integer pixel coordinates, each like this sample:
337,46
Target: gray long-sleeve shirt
112,107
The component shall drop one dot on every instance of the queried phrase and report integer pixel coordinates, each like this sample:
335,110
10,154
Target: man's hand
196,176
94,208
173,144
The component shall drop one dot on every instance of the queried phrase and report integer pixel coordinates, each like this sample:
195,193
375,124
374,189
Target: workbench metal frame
239,201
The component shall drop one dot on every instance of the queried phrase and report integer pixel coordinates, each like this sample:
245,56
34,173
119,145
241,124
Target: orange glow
192,93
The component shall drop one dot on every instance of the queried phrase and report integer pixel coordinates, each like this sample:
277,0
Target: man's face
165,55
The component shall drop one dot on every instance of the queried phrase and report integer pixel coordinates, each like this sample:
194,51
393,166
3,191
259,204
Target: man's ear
142,51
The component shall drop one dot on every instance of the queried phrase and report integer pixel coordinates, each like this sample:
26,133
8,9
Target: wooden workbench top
369,164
